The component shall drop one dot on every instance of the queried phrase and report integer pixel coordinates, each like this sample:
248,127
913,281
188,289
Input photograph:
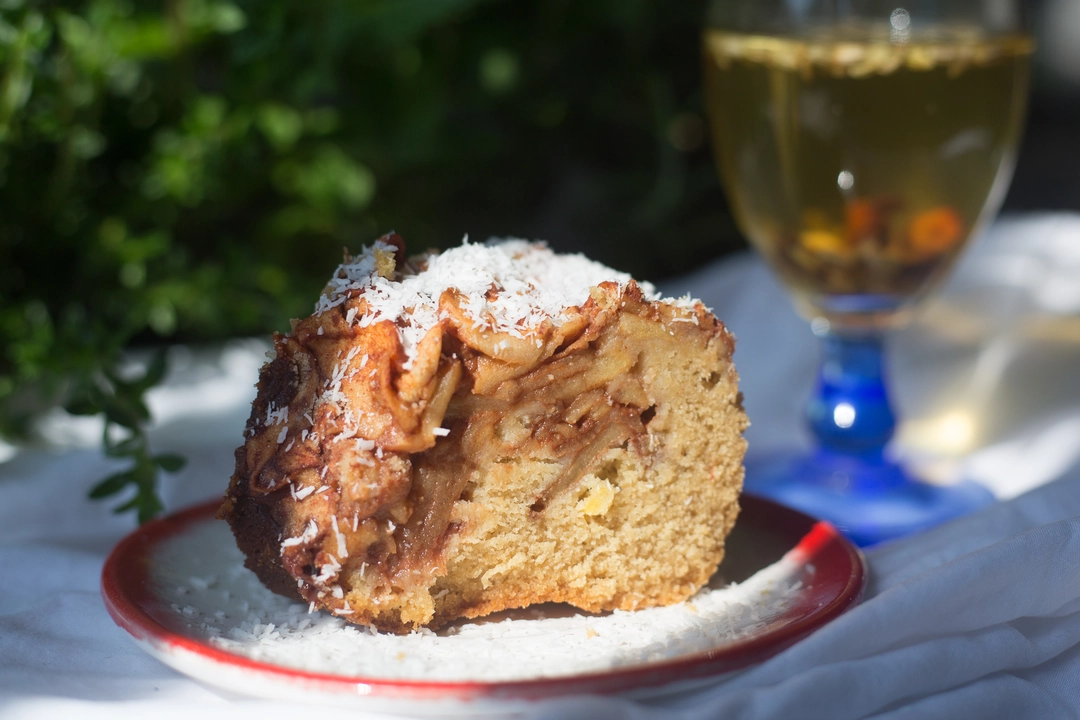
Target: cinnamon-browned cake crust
485,429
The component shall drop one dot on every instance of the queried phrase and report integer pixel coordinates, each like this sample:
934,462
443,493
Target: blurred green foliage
190,170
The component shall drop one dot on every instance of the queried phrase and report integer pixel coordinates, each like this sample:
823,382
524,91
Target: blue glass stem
850,412
847,479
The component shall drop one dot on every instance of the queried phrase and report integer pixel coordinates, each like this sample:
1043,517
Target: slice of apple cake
486,428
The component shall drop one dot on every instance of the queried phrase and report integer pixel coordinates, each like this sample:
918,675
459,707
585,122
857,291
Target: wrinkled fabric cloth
978,618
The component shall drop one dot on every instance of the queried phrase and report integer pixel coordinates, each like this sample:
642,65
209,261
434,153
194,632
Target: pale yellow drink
859,167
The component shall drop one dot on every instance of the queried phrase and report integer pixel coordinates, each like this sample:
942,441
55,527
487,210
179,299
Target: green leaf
170,462
86,143
499,71
125,407
149,507
129,505
123,414
82,405
112,484
155,371
126,447
280,124
227,18
145,39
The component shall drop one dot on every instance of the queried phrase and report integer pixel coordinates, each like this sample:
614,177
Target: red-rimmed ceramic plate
178,586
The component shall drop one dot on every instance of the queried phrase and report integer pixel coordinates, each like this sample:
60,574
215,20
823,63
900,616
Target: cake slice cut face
488,428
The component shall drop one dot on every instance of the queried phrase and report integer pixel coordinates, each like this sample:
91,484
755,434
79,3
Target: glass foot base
870,501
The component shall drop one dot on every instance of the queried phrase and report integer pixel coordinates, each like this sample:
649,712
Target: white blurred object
1060,49
992,383
1035,457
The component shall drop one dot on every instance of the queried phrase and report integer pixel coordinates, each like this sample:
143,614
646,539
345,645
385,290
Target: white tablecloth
978,618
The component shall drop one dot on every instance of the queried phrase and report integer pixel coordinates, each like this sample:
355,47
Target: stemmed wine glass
862,144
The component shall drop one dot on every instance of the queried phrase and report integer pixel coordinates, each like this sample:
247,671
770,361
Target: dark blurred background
190,170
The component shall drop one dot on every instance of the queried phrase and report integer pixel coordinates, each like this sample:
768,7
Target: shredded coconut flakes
309,534
531,284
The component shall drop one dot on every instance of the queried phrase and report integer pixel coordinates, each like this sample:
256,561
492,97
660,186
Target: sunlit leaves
327,179
499,71
280,124
21,41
